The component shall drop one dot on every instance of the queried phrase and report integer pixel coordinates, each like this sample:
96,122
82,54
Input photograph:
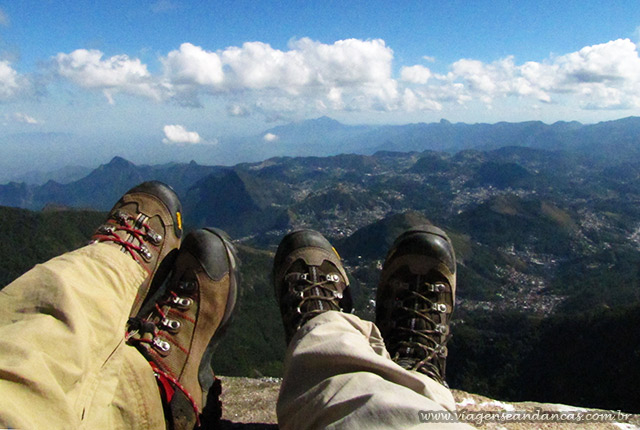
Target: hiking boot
147,224
179,335
308,279
415,299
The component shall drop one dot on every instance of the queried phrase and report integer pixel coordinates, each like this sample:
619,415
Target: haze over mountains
36,158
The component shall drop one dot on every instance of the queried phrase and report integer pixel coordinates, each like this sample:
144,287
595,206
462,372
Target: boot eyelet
146,254
154,237
162,345
121,217
439,287
441,328
332,277
171,325
182,302
439,307
106,229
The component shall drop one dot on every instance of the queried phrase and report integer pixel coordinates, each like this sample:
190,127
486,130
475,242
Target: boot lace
137,228
420,329
144,334
312,294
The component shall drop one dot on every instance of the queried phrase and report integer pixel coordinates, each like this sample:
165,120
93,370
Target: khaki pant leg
62,352
338,374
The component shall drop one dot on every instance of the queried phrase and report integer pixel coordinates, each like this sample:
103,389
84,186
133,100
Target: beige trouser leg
63,360
338,374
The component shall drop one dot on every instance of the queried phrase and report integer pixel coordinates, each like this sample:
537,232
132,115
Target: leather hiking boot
179,335
308,279
147,224
415,299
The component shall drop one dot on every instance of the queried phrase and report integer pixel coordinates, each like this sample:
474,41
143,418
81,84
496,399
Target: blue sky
193,72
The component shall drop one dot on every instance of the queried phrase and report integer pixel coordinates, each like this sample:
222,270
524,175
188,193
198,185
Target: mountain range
520,217
38,157
614,140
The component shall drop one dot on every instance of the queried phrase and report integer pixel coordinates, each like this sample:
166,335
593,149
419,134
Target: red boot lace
138,228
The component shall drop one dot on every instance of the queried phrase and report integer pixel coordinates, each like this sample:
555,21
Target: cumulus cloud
257,65
120,73
8,79
356,69
349,74
346,62
603,75
415,74
311,77
178,134
414,100
11,83
351,62
193,65
608,62
270,137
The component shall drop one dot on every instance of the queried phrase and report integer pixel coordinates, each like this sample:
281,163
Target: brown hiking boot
147,224
179,335
415,299
308,279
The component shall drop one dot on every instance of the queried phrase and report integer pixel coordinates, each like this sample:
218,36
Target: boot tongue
416,304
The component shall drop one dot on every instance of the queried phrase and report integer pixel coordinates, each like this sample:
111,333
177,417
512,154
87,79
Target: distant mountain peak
325,120
119,162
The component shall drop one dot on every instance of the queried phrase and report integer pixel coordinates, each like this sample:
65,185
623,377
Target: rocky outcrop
249,404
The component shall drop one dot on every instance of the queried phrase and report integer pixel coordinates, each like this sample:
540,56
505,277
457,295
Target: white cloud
309,71
310,77
270,137
193,65
415,74
418,100
256,65
600,76
179,134
334,96
119,73
350,62
307,63
8,80
614,64
24,118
